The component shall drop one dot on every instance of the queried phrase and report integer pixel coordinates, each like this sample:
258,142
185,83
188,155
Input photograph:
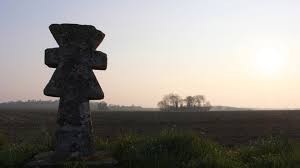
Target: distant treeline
53,105
174,103
103,106
31,104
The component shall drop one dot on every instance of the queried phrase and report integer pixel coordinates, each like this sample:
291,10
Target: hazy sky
242,53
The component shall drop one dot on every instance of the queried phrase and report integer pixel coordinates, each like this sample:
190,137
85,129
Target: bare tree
163,105
189,100
174,100
170,102
199,100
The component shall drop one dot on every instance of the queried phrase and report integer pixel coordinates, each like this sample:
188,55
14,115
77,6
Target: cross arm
52,57
99,60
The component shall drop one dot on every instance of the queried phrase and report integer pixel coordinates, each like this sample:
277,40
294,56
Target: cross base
98,159
73,142
74,136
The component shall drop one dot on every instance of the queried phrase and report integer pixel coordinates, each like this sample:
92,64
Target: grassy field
169,149
228,127
240,139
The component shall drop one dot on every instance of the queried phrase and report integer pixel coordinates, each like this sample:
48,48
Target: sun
269,61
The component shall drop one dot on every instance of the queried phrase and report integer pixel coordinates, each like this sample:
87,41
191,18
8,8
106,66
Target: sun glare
270,61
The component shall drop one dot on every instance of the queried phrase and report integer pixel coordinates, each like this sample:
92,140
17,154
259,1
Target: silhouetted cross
75,83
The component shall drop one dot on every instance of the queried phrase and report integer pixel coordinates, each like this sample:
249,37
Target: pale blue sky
213,47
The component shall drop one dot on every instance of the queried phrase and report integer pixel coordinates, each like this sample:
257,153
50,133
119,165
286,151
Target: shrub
15,155
273,152
172,149
101,144
3,140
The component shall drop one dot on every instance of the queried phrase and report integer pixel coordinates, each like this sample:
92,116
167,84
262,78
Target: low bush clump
3,140
172,149
16,155
272,152
175,149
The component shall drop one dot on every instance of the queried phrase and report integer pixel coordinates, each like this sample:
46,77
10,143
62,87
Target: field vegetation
165,139
168,149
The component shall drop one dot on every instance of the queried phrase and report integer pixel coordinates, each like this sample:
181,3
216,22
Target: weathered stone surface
43,156
107,163
101,159
74,60
99,60
75,83
81,36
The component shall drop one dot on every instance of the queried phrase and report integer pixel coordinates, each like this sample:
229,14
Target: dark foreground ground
226,127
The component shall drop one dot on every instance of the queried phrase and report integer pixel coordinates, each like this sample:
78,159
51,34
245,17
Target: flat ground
226,127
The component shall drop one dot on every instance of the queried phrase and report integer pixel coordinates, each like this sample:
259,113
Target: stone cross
75,83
